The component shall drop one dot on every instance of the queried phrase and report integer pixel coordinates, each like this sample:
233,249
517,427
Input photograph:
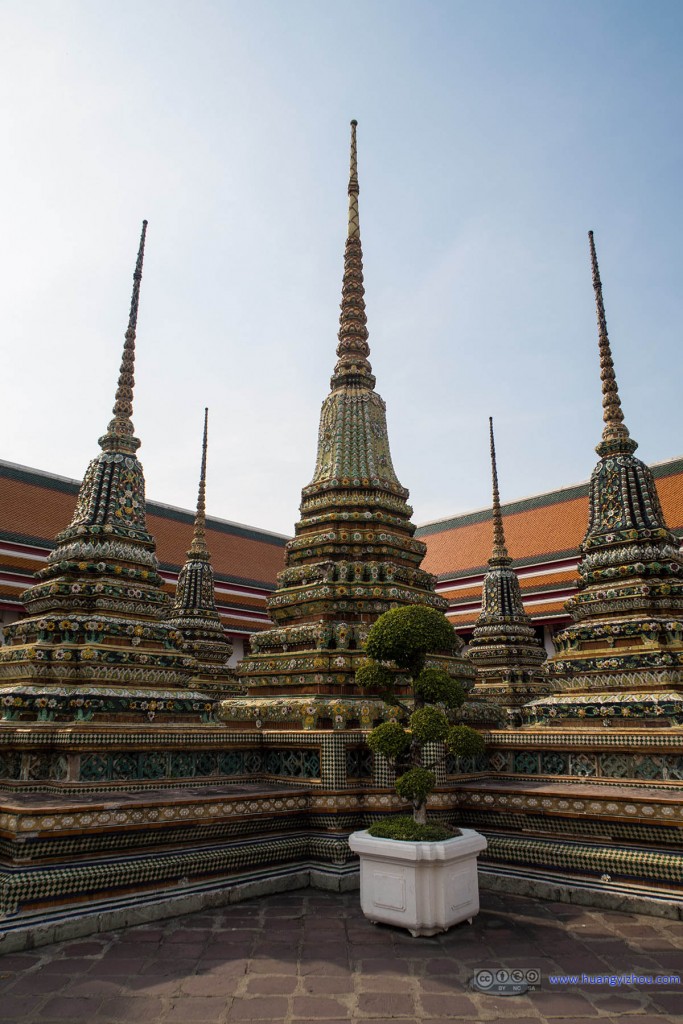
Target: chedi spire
95,643
500,555
353,349
194,613
504,647
354,554
622,655
615,435
120,435
198,548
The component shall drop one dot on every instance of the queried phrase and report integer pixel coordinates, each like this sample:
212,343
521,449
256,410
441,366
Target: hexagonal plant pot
424,887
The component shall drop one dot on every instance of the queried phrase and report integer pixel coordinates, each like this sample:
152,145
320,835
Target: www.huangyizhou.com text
614,980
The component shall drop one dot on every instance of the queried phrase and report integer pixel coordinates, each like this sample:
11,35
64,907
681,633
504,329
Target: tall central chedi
354,554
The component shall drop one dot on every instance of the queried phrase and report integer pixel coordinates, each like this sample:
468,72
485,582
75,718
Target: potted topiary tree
417,874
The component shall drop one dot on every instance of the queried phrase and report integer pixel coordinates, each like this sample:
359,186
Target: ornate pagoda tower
194,614
94,644
620,661
505,650
354,554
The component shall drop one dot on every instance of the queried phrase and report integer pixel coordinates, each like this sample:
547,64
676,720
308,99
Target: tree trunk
420,813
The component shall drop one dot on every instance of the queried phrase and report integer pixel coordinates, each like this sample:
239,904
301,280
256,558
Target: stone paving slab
312,956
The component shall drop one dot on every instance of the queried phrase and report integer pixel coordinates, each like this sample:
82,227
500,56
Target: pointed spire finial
615,430
198,548
353,349
354,189
121,432
500,555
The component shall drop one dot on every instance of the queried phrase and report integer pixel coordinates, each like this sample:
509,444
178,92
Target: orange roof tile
35,506
535,528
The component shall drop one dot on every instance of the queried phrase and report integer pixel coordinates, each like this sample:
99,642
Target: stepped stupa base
110,846
311,712
656,708
110,704
509,694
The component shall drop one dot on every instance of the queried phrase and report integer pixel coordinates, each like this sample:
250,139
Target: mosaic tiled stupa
621,659
194,614
571,809
94,644
354,554
504,648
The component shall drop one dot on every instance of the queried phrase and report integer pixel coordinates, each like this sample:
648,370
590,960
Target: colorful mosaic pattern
307,713
194,615
187,764
622,657
588,859
504,647
31,887
95,612
639,767
52,703
354,554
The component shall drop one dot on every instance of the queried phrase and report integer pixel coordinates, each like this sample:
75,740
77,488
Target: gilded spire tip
121,432
615,430
354,189
198,546
353,350
500,554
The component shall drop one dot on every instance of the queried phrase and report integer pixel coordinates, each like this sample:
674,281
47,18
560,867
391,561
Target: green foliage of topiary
389,739
404,827
398,644
416,784
428,725
435,686
372,676
406,635
464,742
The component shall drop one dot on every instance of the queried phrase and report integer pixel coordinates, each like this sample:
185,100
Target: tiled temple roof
461,544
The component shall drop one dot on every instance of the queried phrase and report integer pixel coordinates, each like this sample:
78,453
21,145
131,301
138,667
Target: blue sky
492,136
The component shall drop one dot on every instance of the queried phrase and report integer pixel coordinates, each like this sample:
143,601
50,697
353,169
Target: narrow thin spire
354,188
198,548
615,429
500,554
353,349
121,432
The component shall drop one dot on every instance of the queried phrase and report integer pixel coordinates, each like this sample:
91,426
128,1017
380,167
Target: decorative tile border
180,764
603,808
587,859
28,887
640,767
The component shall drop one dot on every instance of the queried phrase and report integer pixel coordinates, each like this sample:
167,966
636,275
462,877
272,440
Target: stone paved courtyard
308,955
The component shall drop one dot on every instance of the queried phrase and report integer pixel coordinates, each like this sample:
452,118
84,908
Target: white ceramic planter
424,887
